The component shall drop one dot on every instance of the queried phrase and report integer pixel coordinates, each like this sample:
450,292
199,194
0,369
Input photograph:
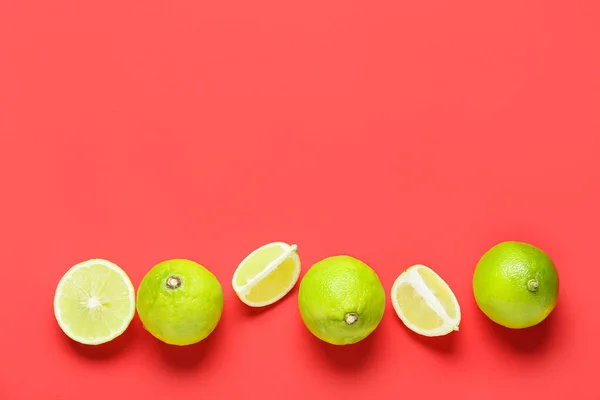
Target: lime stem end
351,318
533,285
173,282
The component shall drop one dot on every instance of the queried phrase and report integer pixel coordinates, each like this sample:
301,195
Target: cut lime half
94,302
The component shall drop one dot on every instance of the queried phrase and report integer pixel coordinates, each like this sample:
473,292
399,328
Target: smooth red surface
399,132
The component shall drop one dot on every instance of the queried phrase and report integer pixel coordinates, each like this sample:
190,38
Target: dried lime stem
533,285
351,318
173,282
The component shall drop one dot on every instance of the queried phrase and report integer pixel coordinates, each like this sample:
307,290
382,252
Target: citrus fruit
94,302
424,302
341,300
515,284
180,302
267,274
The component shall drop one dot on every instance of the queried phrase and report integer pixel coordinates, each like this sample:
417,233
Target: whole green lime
180,302
516,284
341,300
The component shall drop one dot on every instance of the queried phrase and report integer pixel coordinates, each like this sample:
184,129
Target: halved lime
94,302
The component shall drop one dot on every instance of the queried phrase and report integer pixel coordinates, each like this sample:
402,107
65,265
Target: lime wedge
425,303
267,274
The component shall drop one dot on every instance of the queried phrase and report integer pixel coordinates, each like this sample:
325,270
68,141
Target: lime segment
267,274
424,302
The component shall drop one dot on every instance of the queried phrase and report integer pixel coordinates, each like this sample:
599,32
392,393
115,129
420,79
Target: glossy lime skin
516,284
335,287
183,315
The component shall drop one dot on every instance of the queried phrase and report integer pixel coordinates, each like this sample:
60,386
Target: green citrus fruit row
341,299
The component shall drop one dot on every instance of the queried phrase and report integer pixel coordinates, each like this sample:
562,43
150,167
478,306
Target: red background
399,132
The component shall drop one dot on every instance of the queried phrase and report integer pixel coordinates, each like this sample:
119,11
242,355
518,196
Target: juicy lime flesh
500,284
416,309
94,303
274,283
183,315
440,291
332,289
257,263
